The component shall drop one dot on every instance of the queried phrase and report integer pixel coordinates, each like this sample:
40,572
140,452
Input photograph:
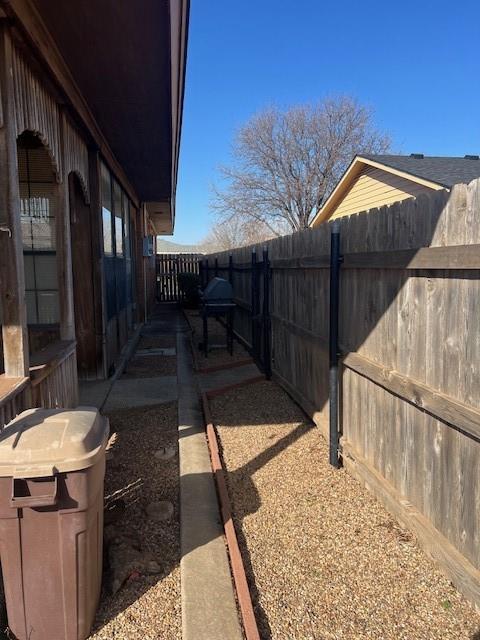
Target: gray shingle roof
445,171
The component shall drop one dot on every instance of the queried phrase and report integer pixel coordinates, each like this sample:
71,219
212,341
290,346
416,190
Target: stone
152,567
160,511
123,559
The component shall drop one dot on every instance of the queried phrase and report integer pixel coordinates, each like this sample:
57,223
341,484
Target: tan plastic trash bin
52,468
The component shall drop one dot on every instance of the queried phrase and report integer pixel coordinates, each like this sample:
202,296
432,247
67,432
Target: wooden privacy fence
167,268
409,340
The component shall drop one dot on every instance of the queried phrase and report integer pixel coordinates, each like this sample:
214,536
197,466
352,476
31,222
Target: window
117,207
126,218
106,187
128,248
38,205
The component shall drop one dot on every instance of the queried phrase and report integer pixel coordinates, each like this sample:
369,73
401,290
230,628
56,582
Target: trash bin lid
41,442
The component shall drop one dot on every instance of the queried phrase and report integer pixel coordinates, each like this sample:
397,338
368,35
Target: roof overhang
355,168
161,215
123,72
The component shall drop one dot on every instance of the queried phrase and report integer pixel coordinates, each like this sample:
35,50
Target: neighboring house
377,180
91,110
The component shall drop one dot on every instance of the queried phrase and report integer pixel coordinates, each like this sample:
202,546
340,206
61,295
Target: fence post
216,267
206,272
335,262
266,315
230,269
253,303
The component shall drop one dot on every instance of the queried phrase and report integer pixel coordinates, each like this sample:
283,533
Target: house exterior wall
35,105
375,188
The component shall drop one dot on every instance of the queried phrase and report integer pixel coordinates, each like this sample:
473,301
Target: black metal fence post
335,262
253,301
230,269
266,316
216,267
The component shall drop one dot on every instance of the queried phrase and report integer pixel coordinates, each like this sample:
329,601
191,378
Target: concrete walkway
214,380
209,610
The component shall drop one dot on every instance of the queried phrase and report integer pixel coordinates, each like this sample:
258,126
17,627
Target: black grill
217,291
217,301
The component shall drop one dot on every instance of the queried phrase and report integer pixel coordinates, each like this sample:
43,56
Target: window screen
106,188
38,210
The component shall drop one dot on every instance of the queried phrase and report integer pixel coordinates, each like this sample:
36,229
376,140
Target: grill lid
217,290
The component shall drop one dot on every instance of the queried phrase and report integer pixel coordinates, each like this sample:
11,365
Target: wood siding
76,157
36,109
409,327
376,188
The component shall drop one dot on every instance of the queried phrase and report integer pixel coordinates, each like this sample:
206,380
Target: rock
152,567
165,453
124,560
160,511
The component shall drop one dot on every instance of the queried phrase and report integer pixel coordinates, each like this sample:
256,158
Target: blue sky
417,64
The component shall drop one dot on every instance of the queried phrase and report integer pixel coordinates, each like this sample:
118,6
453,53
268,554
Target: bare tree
234,231
285,163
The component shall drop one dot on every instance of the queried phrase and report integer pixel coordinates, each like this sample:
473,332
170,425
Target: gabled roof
434,172
445,171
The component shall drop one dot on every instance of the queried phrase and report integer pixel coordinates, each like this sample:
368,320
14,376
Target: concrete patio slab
141,392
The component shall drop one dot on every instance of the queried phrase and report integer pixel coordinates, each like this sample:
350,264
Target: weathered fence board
168,266
410,342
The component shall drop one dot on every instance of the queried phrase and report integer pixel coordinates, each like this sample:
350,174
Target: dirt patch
324,559
216,336
147,606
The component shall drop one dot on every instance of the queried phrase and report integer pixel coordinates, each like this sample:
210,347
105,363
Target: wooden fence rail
52,383
409,334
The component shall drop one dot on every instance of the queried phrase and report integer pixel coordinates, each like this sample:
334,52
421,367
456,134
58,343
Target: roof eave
161,215
179,22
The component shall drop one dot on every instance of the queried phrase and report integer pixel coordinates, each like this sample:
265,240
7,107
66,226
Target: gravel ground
147,607
150,366
216,335
324,559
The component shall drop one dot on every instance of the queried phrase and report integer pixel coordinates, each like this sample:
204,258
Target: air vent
472,157
418,156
